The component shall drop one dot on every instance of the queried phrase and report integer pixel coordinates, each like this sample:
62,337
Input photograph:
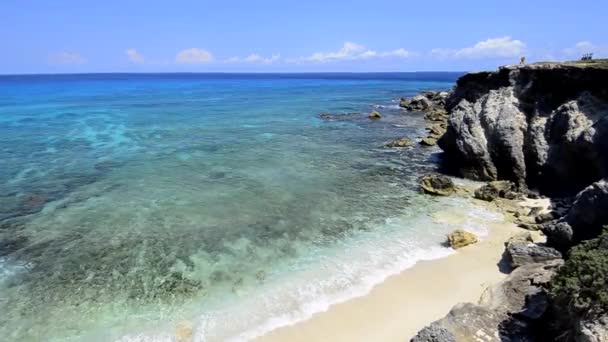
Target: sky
65,36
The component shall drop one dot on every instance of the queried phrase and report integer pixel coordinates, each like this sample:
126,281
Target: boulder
437,115
494,190
403,142
375,115
428,141
416,103
520,237
436,184
584,220
507,312
434,333
460,238
525,252
436,130
591,330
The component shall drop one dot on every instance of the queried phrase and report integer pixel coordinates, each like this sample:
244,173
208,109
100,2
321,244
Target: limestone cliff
541,125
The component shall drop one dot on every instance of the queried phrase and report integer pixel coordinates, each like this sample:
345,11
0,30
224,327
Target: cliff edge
542,125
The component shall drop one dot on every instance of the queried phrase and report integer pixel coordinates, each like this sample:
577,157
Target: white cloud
581,48
504,47
134,56
67,58
255,58
193,56
353,51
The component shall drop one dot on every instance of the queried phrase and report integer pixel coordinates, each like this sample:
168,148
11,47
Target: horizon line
227,72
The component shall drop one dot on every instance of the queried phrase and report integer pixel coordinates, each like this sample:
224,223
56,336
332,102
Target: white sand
397,308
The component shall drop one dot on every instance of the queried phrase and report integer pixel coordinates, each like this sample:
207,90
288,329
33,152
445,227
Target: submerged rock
460,238
403,142
436,184
428,141
375,115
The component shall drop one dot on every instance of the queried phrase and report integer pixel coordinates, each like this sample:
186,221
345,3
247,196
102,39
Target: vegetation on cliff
581,285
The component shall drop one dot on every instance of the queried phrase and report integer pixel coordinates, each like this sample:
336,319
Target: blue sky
225,35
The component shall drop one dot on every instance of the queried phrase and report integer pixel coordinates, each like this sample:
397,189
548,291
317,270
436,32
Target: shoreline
404,303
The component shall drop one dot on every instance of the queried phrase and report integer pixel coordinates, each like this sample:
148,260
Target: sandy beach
403,304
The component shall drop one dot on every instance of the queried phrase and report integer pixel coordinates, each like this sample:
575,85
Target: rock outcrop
496,189
525,252
437,184
593,330
460,238
425,101
584,220
506,312
403,142
433,104
541,125
375,115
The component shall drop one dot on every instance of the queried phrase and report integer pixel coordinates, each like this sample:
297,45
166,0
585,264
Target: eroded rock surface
541,125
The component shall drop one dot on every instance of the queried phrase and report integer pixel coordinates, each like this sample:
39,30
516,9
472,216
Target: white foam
350,270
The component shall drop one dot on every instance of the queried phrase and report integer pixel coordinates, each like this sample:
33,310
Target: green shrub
581,285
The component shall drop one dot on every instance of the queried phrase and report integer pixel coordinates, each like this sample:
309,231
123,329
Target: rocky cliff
542,125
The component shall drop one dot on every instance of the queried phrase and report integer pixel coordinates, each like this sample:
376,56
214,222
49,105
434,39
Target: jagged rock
428,141
545,217
592,330
506,312
434,333
520,237
494,190
510,295
403,142
418,103
542,125
528,226
584,220
589,211
525,252
425,101
436,130
436,184
437,115
559,234
375,115
460,238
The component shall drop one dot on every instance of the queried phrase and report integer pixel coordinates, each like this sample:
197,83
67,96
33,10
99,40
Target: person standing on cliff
522,60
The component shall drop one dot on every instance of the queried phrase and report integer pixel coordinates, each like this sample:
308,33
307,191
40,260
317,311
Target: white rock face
544,126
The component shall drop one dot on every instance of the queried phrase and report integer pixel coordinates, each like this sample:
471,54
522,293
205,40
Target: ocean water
133,205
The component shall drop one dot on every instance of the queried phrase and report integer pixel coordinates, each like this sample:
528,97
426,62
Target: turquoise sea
133,203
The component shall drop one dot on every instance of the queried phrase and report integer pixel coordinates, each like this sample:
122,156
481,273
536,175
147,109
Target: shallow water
130,204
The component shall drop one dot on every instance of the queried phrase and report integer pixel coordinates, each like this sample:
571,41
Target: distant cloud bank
353,51
504,47
193,56
67,58
134,56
